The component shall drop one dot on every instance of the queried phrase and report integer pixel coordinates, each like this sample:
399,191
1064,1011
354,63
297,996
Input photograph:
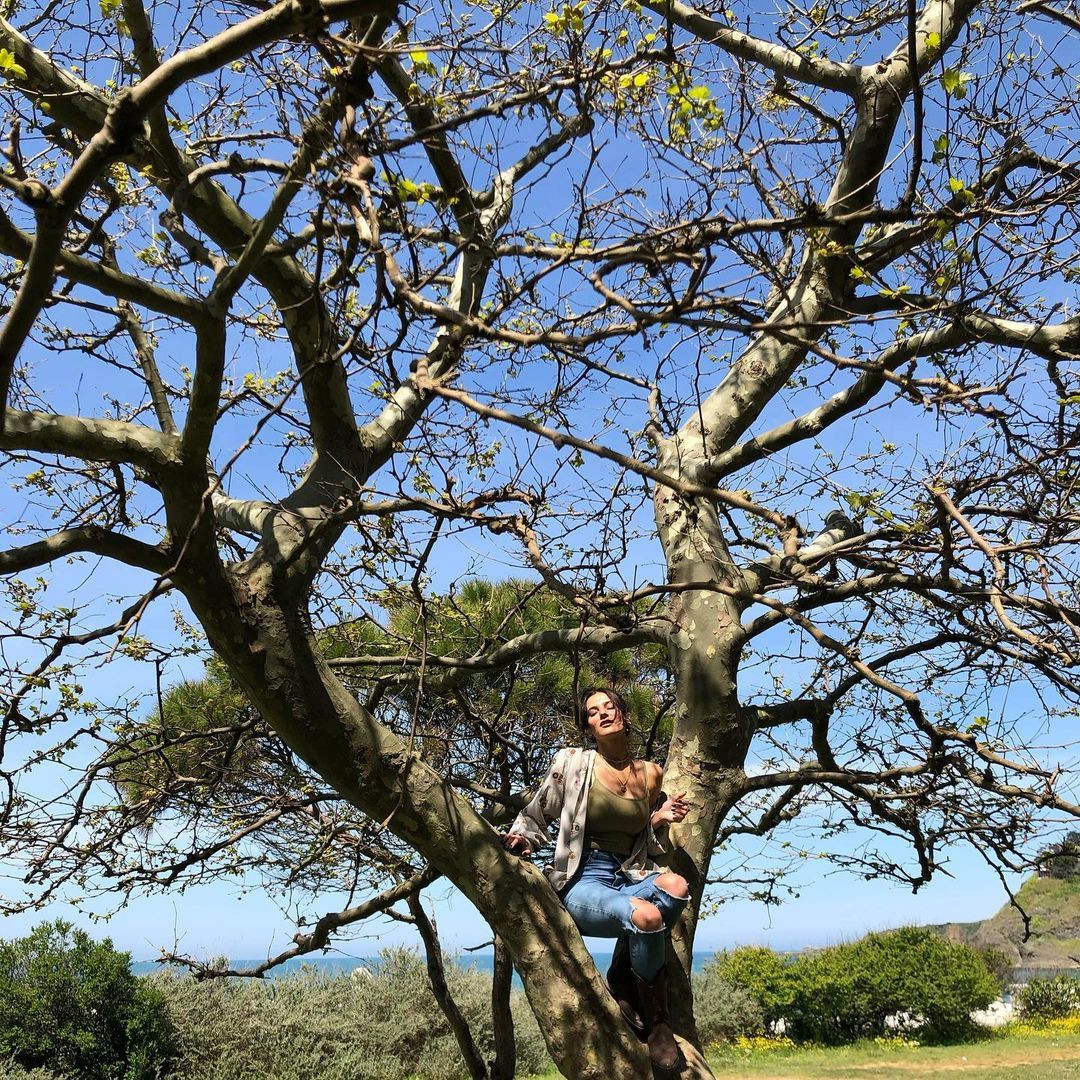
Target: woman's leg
599,908
648,947
604,904
671,897
658,902
599,904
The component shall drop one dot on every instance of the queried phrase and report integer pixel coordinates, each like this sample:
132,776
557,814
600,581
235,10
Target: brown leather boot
663,1050
620,981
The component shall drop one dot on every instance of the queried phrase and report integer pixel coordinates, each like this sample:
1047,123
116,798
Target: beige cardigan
564,795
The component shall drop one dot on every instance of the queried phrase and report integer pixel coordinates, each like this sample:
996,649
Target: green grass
1044,1056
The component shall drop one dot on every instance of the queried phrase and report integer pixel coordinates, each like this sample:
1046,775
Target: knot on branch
312,18
124,122
39,196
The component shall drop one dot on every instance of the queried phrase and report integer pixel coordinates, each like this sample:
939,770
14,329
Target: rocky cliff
1054,907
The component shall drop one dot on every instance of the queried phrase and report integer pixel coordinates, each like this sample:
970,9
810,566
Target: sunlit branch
80,436
466,291
817,71
573,640
123,121
1063,17
810,424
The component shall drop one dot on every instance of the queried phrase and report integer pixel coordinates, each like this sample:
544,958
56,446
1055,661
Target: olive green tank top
614,822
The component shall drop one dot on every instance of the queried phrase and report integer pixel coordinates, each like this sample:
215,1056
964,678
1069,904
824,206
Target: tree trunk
474,1060
709,740
505,1064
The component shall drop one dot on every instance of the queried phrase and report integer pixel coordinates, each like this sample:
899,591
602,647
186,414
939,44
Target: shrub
11,1071
769,979
911,977
72,1005
938,981
380,1025
724,1011
1048,999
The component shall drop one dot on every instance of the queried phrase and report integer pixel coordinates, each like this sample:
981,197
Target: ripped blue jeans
598,900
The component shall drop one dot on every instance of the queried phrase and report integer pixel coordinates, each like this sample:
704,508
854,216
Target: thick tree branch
785,712
823,280
97,440
573,640
455,188
817,71
89,539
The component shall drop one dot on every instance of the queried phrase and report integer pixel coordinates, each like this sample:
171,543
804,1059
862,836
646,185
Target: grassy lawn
1047,1055
1043,1055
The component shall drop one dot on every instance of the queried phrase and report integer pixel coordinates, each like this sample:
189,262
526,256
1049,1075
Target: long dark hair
616,699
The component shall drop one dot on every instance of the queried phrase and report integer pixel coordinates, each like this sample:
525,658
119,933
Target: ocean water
344,965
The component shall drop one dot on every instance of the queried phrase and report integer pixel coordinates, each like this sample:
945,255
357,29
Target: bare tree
776,306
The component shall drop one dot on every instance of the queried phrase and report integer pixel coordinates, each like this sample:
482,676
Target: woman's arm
670,809
529,830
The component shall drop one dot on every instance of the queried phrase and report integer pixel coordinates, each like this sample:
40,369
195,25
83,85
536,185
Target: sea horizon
346,965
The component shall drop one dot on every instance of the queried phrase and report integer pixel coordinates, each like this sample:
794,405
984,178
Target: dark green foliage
201,735
535,698
205,736
851,991
72,1004
1061,860
1049,999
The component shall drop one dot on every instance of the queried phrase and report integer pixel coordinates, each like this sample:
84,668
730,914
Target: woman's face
602,715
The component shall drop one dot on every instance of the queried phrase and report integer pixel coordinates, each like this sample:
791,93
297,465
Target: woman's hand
673,809
516,844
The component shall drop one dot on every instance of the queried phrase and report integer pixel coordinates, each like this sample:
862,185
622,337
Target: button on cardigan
564,797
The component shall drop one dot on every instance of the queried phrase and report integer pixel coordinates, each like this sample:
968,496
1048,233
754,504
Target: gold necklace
620,779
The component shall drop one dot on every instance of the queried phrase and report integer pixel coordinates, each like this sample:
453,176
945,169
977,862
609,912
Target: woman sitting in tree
608,806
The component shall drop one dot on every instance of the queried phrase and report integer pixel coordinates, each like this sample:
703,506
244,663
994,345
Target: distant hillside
1054,907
